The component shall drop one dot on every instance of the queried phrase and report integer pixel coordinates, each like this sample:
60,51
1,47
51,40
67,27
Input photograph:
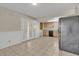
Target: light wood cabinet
45,33
55,33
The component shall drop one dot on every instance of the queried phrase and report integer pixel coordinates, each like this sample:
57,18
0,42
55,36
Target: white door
25,28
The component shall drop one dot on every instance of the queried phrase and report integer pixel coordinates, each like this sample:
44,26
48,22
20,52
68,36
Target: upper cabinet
49,26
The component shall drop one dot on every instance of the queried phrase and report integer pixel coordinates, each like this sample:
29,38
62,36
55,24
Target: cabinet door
69,40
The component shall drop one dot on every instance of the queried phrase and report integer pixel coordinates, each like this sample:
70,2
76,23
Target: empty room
39,29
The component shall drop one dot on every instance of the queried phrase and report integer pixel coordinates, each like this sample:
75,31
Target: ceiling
40,10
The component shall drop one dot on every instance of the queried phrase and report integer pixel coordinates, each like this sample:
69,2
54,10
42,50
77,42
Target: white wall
21,33
14,37
10,38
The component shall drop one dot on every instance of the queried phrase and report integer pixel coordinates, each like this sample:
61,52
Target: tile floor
44,46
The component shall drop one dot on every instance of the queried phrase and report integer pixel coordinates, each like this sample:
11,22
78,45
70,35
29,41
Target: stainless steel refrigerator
69,34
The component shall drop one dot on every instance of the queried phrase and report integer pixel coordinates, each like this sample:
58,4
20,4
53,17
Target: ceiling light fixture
34,3
56,19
